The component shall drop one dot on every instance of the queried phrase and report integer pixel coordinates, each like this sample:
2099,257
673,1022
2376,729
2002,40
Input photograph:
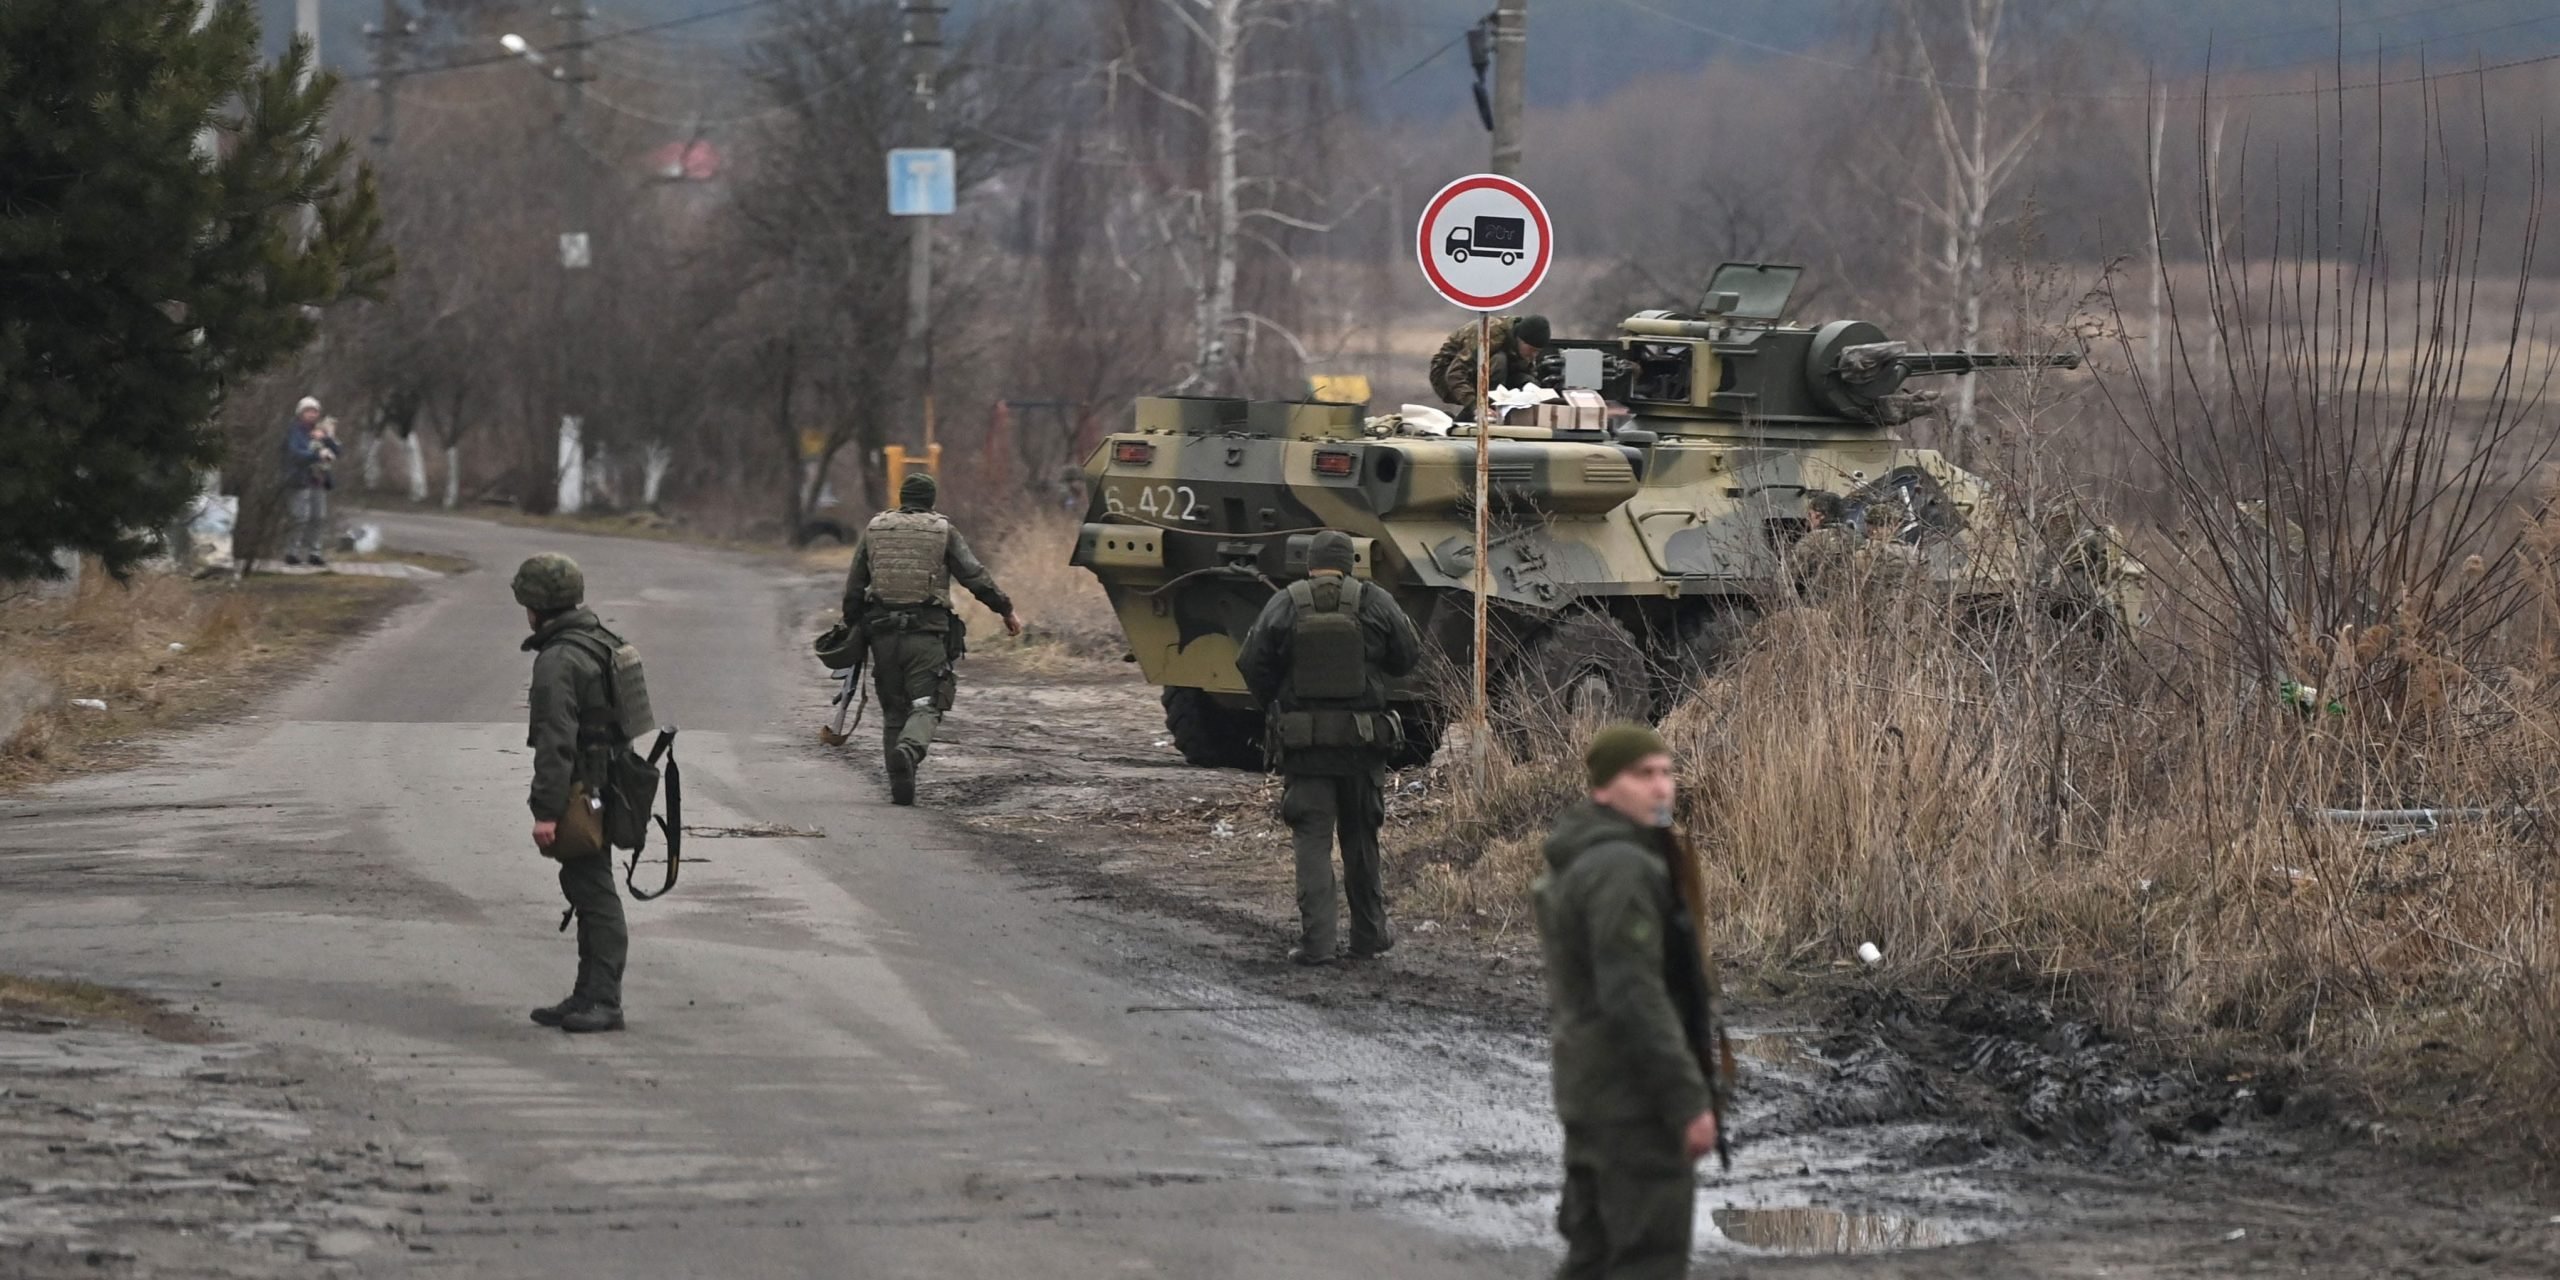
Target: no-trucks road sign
1485,242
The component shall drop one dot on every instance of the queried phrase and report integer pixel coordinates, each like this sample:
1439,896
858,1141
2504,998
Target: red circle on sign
1477,301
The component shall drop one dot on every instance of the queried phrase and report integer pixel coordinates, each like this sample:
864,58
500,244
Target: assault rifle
1708,1041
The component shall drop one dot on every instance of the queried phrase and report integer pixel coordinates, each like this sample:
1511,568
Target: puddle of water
1810,1230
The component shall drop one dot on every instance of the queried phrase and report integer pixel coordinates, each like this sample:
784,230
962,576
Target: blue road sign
922,181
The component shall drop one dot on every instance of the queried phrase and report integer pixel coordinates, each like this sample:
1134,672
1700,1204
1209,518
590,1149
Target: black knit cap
1331,549
919,489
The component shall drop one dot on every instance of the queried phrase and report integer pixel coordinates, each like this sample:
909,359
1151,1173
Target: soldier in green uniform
1516,342
1318,658
1627,998
572,737
898,593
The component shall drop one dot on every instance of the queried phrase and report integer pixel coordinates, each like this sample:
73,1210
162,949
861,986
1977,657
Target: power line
2059,94
463,64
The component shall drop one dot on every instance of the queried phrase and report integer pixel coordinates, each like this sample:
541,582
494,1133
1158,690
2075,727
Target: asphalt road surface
867,1054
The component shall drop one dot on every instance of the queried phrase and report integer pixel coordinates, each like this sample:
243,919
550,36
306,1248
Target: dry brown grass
1065,616
111,642
2124,830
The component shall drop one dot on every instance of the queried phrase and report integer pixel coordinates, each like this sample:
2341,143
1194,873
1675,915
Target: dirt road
1057,1044
865,1054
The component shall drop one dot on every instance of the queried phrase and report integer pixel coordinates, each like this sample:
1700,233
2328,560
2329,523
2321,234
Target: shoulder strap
671,824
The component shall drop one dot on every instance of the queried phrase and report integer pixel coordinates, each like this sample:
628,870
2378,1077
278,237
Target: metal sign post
1484,244
1480,722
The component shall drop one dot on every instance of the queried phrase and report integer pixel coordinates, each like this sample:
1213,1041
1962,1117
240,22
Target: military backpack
630,780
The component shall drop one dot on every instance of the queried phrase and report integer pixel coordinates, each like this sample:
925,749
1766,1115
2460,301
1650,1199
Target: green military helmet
549,581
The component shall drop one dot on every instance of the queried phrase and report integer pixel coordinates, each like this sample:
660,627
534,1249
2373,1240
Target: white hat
308,403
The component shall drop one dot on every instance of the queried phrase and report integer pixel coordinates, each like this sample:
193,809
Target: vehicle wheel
1459,255
1212,736
1509,258
1707,642
1583,672
1425,724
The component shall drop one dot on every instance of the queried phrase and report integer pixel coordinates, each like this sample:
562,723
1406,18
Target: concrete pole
386,74
576,419
923,38
1510,82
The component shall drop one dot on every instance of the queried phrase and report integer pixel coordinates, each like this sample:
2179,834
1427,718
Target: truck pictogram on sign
1489,236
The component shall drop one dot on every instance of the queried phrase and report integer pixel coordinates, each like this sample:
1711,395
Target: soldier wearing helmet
1517,340
1318,659
572,740
898,593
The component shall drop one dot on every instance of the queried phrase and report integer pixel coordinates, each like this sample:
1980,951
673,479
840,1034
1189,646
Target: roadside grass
113,642
52,999
2126,829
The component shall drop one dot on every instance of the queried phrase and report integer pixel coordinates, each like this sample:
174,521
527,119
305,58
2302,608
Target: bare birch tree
1977,158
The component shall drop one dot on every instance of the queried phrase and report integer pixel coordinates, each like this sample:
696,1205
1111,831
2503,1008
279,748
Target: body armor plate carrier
1331,701
907,558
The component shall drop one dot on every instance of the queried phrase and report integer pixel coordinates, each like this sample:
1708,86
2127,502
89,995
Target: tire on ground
1212,736
1583,671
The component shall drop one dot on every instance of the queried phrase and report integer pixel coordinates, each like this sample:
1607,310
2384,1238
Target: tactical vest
908,564
626,714
1330,703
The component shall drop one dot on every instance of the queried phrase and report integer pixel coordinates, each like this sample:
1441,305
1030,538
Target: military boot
592,1017
902,775
551,1014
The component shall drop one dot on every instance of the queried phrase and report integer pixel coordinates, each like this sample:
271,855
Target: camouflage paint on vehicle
1652,538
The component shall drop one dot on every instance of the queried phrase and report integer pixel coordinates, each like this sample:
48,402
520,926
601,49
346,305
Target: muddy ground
152,1146
1883,1131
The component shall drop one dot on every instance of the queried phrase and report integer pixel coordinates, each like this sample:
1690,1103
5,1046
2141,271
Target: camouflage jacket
1453,370
1622,975
956,557
572,714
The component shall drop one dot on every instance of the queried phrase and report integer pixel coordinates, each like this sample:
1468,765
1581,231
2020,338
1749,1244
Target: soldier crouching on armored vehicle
1517,341
898,594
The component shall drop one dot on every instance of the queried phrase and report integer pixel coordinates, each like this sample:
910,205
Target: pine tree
140,278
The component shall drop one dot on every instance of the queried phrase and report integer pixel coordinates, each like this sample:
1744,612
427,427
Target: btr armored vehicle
1626,556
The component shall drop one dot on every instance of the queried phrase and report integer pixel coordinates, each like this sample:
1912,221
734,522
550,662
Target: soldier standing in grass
574,734
1627,1000
1318,659
898,593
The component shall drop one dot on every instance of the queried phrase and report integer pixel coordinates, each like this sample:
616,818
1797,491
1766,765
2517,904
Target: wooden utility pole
1510,82
387,37
924,64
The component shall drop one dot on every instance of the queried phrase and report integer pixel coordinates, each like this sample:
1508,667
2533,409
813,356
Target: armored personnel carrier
1627,556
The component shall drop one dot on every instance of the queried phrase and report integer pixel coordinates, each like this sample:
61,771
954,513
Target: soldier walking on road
1318,658
1627,994
898,593
574,735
